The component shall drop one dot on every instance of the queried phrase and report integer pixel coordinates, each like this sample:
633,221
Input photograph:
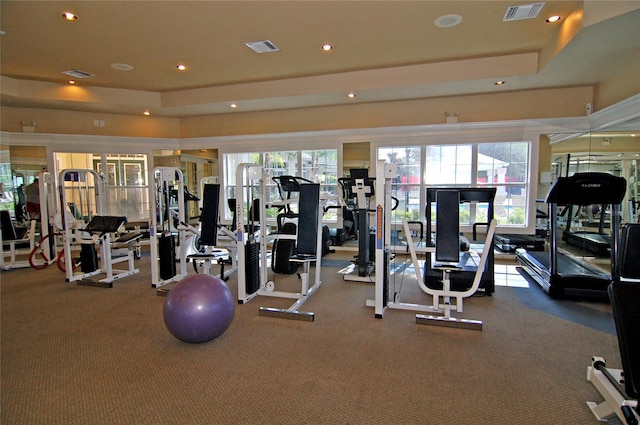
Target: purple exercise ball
200,308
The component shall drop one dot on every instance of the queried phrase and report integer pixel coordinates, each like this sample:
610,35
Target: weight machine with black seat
203,241
447,256
620,388
252,244
14,240
30,240
461,279
86,190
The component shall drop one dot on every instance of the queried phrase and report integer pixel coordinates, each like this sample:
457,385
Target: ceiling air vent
263,46
76,73
523,11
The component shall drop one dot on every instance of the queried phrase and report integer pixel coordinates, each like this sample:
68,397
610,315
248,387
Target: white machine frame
252,172
614,398
441,299
46,187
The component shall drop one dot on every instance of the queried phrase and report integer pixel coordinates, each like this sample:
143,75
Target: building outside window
501,165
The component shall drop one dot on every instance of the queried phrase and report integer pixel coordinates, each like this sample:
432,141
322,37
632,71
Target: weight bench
621,387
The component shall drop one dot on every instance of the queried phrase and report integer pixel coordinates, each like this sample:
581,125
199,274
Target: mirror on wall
584,231
614,150
19,166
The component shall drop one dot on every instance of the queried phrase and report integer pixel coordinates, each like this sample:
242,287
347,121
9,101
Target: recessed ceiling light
147,113
326,47
500,83
554,18
72,82
233,105
181,67
447,21
121,66
69,16
351,95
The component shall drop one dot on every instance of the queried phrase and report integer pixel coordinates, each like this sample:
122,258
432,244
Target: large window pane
405,188
318,166
448,165
505,166
500,165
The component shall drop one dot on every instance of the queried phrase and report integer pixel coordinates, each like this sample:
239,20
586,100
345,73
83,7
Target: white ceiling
383,51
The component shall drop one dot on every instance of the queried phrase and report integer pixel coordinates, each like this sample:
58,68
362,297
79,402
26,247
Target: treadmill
557,272
598,243
510,242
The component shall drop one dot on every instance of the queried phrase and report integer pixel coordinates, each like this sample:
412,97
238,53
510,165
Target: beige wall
624,84
531,104
74,122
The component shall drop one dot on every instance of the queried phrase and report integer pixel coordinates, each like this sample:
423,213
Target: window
319,166
407,187
501,165
505,167
126,178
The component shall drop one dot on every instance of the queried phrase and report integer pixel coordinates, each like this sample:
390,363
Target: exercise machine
463,278
360,189
620,388
203,249
90,227
29,240
558,272
167,212
252,244
598,243
14,240
447,259
510,242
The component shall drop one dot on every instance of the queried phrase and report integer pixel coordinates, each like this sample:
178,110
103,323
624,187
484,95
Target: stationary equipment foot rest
305,316
449,322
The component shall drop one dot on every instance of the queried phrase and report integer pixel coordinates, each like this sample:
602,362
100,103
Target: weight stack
385,278
88,258
167,254
251,267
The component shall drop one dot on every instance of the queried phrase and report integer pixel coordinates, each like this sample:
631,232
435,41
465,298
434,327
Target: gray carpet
84,355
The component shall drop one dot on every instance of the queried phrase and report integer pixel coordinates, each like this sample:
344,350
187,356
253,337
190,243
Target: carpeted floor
84,355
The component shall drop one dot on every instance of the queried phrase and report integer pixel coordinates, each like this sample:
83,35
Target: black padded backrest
625,299
8,231
447,226
629,252
209,214
308,218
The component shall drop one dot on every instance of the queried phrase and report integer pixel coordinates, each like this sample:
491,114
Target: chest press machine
447,256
